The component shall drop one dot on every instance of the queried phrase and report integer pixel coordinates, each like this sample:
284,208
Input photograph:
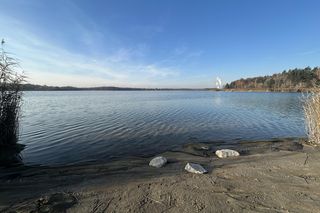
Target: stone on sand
158,162
224,153
195,168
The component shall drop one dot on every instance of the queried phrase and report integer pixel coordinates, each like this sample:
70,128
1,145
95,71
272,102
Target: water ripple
71,127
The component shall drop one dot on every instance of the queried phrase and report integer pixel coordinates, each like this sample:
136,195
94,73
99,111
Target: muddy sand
282,175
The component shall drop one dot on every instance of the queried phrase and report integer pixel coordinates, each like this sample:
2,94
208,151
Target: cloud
120,55
311,52
155,71
48,63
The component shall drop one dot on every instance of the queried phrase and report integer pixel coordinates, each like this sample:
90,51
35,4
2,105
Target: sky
163,44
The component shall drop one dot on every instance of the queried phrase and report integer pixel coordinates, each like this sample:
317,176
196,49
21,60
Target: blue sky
167,43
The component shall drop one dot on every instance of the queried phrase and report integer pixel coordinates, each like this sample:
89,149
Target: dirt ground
269,176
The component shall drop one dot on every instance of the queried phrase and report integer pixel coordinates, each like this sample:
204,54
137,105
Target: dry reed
312,116
10,98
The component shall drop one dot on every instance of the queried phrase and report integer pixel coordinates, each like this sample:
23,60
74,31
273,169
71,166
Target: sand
269,176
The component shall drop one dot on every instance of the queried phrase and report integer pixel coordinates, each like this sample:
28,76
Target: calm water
72,127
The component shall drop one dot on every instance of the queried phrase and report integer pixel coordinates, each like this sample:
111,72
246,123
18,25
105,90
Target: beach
281,175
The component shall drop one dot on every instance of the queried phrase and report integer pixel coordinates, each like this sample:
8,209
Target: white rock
224,153
158,162
195,168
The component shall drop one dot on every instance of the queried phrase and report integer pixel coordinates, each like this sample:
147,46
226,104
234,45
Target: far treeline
295,80
34,87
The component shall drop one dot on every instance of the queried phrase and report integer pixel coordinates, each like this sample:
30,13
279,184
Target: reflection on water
77,126
10,155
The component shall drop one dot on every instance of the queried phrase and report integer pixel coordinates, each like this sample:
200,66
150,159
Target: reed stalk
10,98
312,116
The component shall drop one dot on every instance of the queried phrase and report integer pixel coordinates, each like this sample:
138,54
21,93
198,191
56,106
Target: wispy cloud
155,71
184,52
310,52
48,63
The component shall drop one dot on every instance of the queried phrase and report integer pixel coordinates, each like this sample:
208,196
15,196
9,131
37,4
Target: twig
155,200
107,206
100,207
305,162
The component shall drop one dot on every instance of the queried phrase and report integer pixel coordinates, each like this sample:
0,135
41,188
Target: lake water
81,126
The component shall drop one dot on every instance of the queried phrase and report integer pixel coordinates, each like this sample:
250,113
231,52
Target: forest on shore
293,80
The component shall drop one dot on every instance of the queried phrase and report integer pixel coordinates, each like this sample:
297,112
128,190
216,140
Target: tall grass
312,116
10,99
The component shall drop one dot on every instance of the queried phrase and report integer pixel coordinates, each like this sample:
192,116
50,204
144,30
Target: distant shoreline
32,87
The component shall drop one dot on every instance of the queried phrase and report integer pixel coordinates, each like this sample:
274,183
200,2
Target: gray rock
224,153
158,162
195,168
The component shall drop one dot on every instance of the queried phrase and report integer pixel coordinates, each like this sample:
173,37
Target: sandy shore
269,176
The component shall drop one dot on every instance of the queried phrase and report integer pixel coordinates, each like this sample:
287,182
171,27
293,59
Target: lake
66,127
